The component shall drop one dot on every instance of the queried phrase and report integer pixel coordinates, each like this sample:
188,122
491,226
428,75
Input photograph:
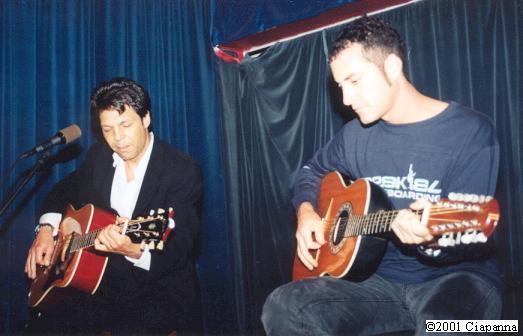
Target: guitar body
352,258
82,269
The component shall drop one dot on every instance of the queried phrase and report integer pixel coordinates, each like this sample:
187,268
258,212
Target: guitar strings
379,222
80,241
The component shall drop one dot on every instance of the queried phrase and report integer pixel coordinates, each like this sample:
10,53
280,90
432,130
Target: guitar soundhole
339,227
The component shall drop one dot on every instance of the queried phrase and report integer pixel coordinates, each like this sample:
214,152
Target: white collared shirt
124,195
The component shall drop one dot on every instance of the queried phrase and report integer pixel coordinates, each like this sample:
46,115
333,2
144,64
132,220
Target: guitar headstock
148,230
464,219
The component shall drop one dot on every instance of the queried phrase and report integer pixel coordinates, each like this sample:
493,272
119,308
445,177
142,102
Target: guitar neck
81,241
444,217
369,224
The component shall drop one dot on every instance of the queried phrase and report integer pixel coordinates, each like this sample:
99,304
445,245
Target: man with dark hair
130,173
416,149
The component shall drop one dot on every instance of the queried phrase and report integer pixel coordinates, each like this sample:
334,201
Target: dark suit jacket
166,296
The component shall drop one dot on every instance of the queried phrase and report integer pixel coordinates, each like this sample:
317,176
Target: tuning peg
140,218
480,237
151,245
159,246
468,198
460,197
468,237
446,240
160,211
475,237
457,197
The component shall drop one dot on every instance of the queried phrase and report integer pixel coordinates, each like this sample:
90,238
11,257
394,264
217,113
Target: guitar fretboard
369,224
81,241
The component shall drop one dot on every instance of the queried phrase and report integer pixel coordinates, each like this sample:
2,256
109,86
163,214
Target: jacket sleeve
182,246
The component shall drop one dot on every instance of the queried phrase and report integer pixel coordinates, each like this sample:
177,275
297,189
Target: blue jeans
330,306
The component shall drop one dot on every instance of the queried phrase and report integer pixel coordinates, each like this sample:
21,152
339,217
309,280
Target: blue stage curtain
52,53
280,107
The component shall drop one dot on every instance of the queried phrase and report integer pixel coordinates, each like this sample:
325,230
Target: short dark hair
374,35
117,93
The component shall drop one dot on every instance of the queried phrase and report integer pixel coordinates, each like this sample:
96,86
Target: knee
483,298
491,306
281,311
274,310
465,295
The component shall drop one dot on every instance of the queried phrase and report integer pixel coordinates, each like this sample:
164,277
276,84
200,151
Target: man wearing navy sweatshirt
418,150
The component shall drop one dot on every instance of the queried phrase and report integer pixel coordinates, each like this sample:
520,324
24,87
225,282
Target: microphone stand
40,163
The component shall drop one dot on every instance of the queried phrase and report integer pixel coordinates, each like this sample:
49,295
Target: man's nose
348,96
117,133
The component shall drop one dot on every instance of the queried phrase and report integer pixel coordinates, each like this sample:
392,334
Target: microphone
64,136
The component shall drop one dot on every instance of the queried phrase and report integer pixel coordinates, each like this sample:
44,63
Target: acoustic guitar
76,265
357,219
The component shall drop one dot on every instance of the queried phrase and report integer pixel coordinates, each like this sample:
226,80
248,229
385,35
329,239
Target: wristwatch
40,226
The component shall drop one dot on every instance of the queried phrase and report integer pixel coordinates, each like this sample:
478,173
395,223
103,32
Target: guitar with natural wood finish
357,217
74,262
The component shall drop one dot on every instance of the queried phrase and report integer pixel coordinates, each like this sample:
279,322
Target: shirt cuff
144,261
52,218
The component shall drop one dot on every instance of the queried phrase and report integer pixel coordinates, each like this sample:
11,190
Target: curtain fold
52,53
274,115
279,108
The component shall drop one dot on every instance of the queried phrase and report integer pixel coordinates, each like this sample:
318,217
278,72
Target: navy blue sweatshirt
455,151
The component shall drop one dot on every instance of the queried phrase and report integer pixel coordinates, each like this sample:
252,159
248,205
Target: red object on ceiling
235,51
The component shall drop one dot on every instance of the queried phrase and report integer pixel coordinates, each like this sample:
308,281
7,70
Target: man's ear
146,120
393,67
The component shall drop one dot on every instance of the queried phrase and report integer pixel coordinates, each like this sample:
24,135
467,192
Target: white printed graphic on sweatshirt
409,186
